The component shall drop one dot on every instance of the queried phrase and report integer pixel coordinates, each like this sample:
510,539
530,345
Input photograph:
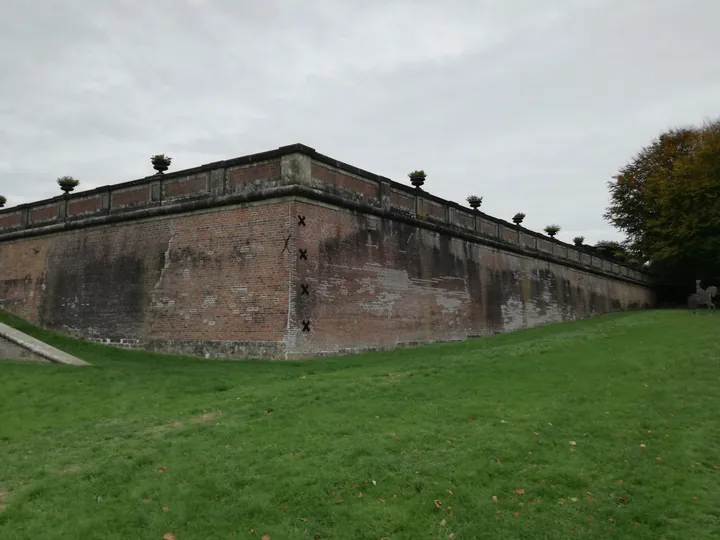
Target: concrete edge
38,347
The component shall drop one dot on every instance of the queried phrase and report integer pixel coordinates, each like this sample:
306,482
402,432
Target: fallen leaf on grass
340,501
450,491
360,496
265,537
438,504
620,482
442,523
374,483
519,492
573,443
635,523
612,520
304,520
642,446
168,536
494,499
694,498
591,500
658,459
395,496
451,536
162,469
165,509
382,500
516,514
623,500
252,531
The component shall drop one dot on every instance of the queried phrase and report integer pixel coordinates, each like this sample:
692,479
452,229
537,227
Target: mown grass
548,421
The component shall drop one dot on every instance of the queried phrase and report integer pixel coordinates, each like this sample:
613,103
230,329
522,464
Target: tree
667,202
611,250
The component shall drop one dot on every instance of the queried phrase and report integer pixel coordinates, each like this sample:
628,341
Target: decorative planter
160,167
474,201
3,200
67,183
160,163
417,178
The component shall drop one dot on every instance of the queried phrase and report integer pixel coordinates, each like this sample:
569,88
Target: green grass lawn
605,428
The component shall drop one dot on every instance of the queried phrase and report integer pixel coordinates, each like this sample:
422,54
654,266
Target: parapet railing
257,175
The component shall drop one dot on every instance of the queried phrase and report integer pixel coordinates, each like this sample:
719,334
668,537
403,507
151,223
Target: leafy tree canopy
667,201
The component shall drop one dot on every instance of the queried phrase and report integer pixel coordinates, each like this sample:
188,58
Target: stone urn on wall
474,201
160,163
552,230
417,178
67,183
518,218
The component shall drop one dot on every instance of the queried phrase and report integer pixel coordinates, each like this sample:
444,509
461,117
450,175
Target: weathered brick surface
433,210
375,283
464,219
187,186
527,241
509,235
213,282
254,176
44,213
80,207
402,201
344,181
544,245
9,221
488,228
130,197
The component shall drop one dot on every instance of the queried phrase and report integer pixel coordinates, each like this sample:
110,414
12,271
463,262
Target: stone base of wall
231,350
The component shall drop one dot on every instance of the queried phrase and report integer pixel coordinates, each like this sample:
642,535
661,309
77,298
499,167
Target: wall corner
296,168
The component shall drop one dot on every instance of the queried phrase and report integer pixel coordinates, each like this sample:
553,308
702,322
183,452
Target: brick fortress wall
289,253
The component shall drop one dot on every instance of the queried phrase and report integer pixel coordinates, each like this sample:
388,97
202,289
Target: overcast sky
531,104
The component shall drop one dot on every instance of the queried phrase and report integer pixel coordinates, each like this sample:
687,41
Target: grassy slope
80,448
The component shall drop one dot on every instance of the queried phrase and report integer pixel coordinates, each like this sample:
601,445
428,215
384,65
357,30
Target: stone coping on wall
290,170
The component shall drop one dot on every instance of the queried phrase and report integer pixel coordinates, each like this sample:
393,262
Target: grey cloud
533,105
